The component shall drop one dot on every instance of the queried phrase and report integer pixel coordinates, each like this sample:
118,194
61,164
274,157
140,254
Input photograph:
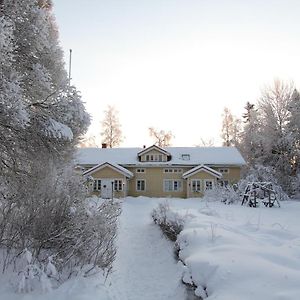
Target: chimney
104,145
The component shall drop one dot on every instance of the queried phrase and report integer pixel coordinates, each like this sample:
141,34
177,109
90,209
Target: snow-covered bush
227,195
170,222
33,275
53,220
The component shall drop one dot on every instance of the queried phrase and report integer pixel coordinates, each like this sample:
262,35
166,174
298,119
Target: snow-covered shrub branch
227,195
170,223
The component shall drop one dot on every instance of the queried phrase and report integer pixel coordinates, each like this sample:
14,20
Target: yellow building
156,172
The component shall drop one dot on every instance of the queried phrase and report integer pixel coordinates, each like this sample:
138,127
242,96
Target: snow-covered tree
42,199
251,142
111,128
273,108
161,138
231,127
293,131
269,137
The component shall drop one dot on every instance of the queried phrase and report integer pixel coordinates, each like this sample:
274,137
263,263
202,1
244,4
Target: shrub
227,195
170,222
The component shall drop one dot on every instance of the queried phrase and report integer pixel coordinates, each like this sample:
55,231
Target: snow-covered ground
234,252
145,267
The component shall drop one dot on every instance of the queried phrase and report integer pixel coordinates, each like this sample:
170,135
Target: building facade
182,172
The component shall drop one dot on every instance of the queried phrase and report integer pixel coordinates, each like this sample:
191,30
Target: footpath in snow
145,267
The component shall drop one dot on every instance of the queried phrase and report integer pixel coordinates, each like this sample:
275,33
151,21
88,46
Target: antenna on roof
70,66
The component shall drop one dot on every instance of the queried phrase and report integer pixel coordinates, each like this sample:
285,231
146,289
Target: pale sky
175,65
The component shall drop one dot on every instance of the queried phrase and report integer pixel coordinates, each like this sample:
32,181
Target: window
140,170
118,185
140,185
173,170
185,156
223,183
154,157
97,185
209,184
224,170
196,185
172,185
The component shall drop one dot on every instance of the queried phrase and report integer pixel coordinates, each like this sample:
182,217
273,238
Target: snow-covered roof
116,167
179,156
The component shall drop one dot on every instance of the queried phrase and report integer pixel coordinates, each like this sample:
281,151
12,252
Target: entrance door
106,188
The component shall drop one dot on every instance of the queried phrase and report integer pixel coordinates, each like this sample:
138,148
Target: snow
129,156
234,252
201,167
119,168
59,130
145,267
230,252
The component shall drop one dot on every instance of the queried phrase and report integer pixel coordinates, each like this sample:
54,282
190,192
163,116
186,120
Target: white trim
212,185
154,147
173,190
97,184
172,170
227,172
191,185
122,184
136,185
115,167
199,169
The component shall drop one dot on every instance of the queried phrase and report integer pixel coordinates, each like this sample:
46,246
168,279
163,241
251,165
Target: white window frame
212,184
140,170
223,183
196,181
136,185
172,170
224,170
154,157
97,185
119,186
171,185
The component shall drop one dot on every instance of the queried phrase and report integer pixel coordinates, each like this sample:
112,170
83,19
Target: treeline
268,134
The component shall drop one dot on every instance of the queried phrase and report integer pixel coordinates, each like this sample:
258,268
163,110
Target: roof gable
200,168
154,147
113,166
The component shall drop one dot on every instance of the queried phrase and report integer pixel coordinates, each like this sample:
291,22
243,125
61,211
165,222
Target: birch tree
161,138
111,128
231,127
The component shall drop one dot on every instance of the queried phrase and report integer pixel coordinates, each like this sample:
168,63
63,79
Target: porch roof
200,168
113,166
